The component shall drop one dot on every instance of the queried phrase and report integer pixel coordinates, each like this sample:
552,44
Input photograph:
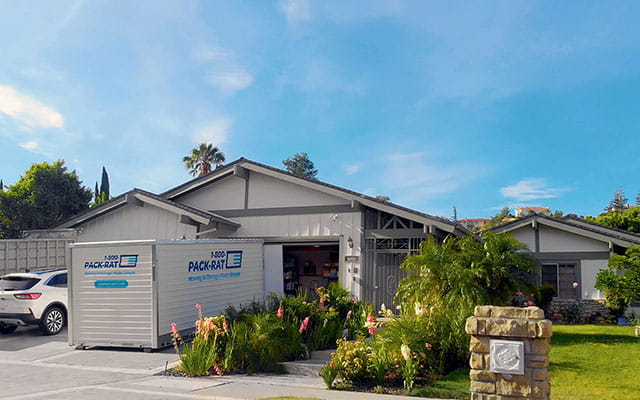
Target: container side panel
214,275
112,295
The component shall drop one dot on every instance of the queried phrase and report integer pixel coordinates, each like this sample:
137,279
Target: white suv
34,298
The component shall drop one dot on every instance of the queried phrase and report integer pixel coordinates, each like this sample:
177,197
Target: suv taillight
27,296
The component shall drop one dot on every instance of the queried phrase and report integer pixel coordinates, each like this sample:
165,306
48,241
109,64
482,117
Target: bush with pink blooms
258,336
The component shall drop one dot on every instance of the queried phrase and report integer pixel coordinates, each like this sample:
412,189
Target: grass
587,362
453,386
593,362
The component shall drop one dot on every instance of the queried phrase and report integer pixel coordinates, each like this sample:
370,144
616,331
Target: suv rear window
17,283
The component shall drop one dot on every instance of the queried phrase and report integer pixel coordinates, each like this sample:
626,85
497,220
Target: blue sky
435,104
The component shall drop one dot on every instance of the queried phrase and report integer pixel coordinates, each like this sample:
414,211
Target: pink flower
303,325
372,330
575,285
174,328
218,371
528,303
198,306
370,318
428,345
280,312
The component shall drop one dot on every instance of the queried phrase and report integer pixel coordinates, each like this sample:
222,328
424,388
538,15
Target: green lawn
588,362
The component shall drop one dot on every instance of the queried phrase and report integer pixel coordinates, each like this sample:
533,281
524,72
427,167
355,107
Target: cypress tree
104,186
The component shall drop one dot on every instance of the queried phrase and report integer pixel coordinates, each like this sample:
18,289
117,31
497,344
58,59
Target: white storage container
127,294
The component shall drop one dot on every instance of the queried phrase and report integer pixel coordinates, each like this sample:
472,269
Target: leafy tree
201,159
45,196
628,219
300,165
557,214
467,271
621,281
499,217
618,203
446,281
1,186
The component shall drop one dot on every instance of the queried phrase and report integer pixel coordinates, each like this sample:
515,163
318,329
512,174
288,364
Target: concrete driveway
33,366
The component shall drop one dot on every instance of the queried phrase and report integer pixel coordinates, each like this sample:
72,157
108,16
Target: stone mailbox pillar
509,353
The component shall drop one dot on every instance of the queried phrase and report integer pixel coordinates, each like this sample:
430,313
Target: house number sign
507,357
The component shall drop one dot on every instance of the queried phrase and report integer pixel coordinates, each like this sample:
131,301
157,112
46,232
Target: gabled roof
236,167
575,225
139,195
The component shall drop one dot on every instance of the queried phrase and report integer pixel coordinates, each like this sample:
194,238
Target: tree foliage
628,219
103,194
464,272
45,196
499,217
621,281
201,159
300,165
619,202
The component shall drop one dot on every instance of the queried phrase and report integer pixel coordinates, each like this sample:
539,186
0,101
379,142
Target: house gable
269,192
227,193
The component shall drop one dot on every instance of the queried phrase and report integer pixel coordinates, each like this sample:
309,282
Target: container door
112,295
273,270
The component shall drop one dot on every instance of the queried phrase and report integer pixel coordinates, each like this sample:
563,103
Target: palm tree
202,157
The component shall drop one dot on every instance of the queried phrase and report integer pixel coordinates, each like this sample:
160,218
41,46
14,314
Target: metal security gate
382,271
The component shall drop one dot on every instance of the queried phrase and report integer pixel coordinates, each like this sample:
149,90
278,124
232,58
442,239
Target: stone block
509,312
536,361
515,386
540,346
540,375
482,375
483,311
471,326
540,390
506,327
544,329
483,396
483,387
476,361
479,344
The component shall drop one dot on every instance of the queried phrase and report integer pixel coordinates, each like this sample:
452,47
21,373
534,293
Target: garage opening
309,266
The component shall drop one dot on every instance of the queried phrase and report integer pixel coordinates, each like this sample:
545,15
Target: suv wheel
4,328
52,321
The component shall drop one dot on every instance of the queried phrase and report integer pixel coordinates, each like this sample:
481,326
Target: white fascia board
347,196
169,207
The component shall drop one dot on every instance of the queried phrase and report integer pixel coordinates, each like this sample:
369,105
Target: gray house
570,250
314,233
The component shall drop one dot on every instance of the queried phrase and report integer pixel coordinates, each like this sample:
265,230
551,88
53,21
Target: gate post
509,353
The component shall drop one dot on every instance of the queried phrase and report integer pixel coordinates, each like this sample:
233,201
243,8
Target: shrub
353,361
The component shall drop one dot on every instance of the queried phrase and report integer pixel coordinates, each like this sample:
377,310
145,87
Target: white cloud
215,131
531,189
27,110
230,81
295,10
205,53
351,169
30,145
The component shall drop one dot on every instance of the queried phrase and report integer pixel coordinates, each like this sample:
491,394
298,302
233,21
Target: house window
561,277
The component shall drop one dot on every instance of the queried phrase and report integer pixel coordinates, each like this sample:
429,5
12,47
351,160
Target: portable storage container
127,294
